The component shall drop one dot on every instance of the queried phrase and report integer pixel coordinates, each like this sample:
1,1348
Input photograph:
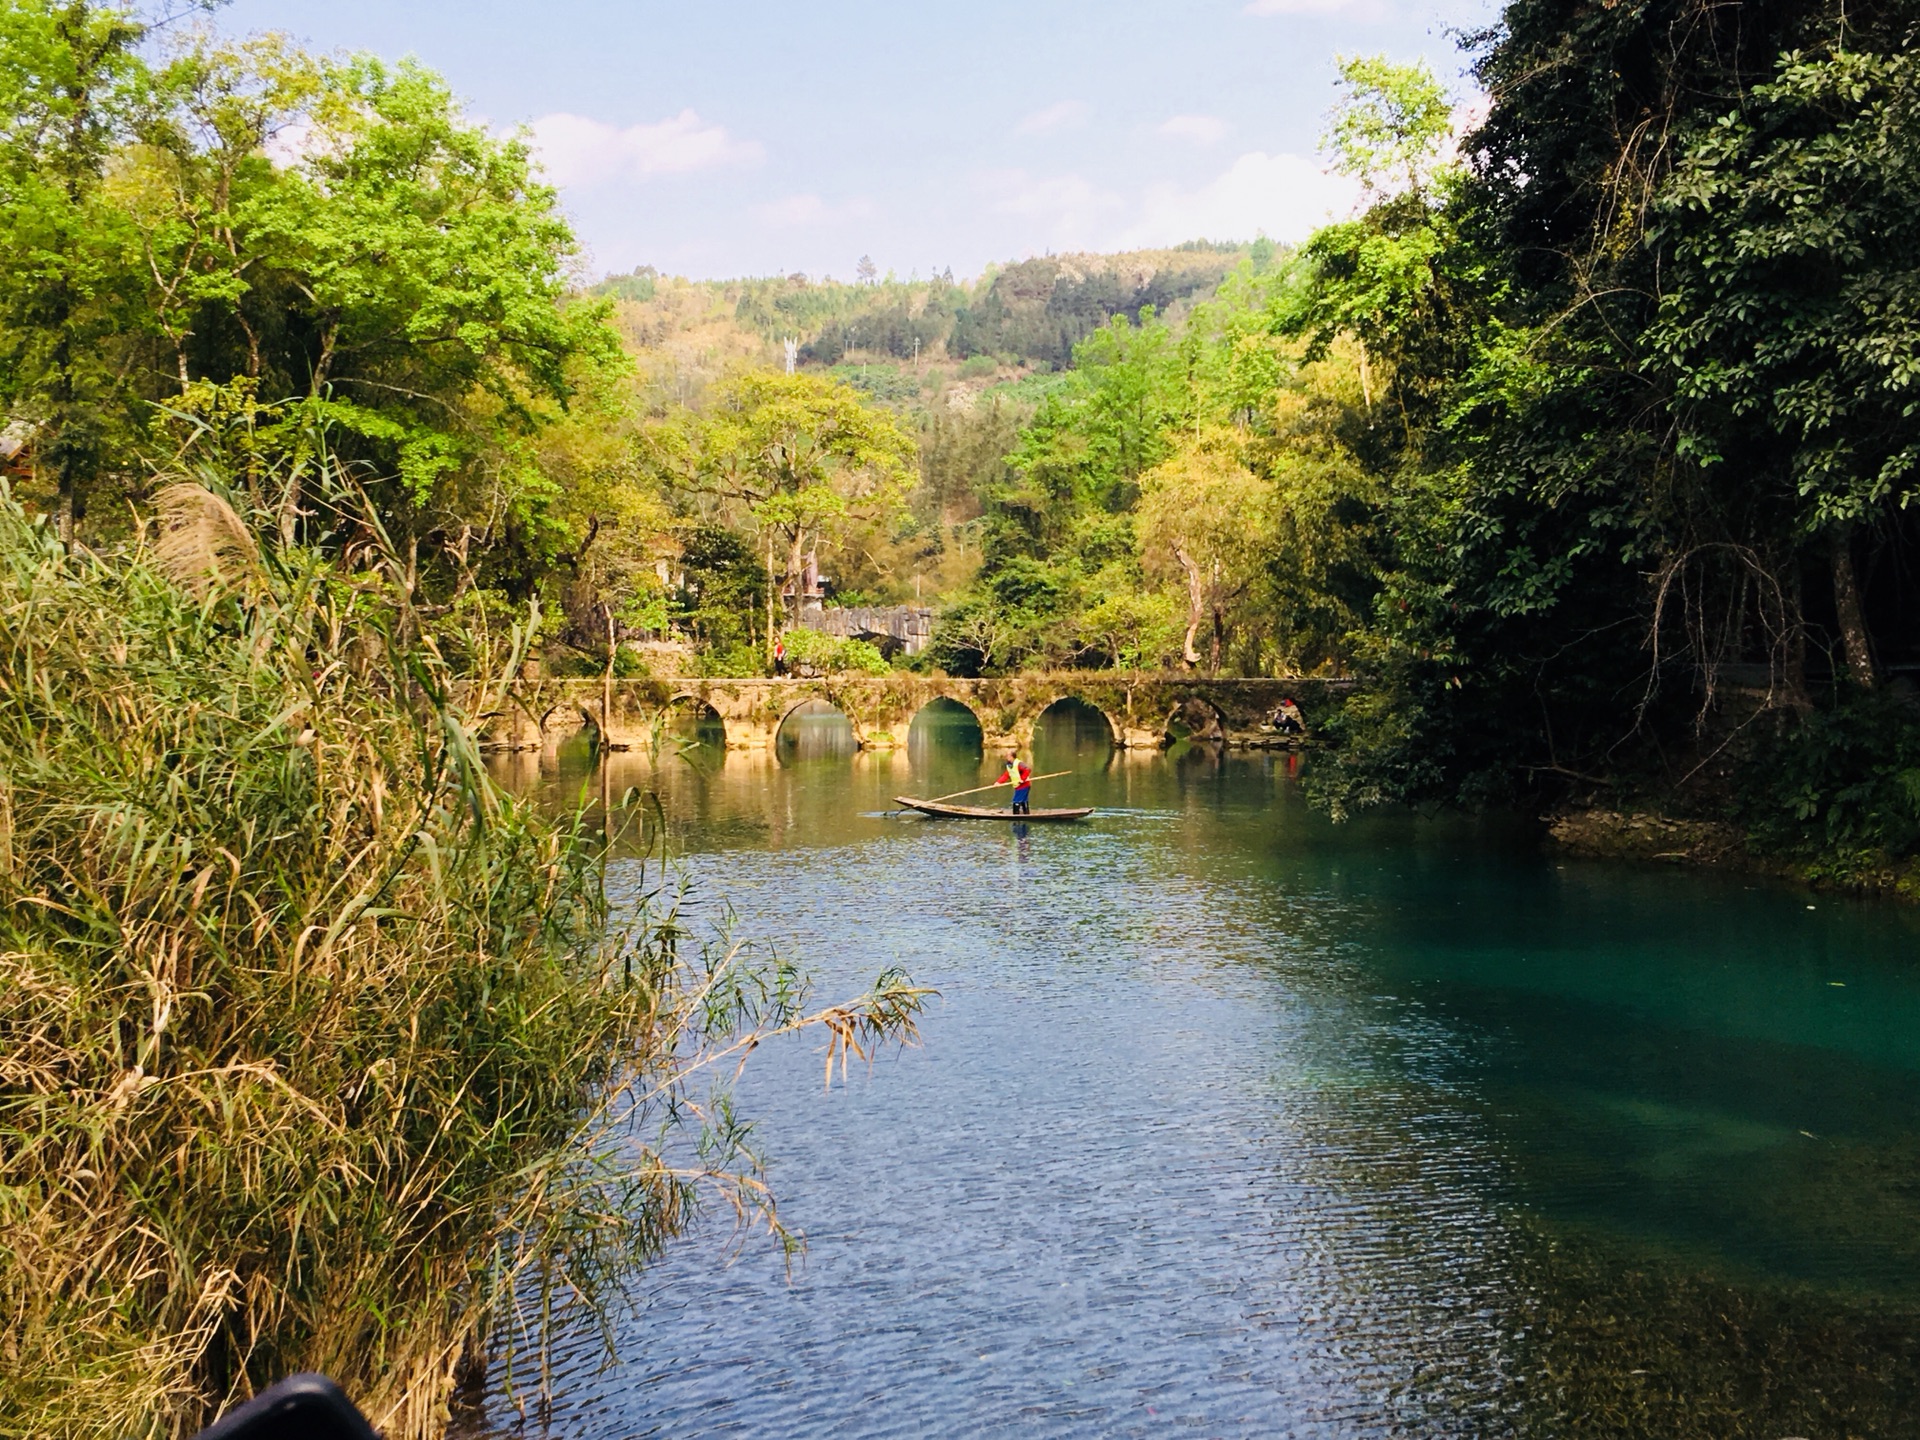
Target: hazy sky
716,139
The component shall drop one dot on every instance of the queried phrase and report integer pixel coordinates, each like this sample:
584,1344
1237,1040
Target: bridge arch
946,721
814,727
1195,717
690,714
1090,723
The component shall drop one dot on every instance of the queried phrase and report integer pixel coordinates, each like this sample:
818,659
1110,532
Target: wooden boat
973,812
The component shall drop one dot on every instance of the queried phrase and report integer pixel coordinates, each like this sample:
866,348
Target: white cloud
1284,196
797,212
1201,129
1054,117
576,150
1061,211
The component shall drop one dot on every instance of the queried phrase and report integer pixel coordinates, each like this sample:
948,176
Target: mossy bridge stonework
1141,710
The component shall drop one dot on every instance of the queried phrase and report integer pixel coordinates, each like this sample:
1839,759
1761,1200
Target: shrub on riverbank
1837,792
313,1050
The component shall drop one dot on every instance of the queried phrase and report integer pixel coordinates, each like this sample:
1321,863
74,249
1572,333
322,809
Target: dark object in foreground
301,1407
970,812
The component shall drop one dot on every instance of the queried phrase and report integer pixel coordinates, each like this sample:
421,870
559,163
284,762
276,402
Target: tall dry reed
315,1048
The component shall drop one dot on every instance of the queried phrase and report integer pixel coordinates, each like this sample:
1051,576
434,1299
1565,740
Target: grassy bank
315,1049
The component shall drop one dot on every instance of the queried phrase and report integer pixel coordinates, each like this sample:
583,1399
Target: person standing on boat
1018,774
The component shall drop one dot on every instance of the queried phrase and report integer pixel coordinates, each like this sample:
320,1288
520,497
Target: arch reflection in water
814,730
690,724
945,747
944,730
1071,734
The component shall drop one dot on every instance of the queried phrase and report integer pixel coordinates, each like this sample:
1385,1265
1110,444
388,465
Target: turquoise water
1231,1121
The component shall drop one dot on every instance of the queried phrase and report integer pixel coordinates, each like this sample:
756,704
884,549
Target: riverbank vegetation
317,1050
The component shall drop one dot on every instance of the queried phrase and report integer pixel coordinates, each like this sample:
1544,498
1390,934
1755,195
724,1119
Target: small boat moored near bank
974,812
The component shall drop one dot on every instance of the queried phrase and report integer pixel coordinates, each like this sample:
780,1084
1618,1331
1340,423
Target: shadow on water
1234,1120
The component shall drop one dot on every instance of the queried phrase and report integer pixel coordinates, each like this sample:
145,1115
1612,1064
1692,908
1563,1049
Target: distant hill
1038,310
1019,318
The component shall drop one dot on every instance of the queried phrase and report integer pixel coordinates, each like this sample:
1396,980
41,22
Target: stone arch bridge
1140,709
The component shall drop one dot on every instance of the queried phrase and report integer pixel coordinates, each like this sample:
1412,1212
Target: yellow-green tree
1323,522
803,455
1205,516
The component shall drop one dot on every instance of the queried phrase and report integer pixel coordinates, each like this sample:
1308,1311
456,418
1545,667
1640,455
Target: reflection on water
814,730
943,728
1071,733
1234,1121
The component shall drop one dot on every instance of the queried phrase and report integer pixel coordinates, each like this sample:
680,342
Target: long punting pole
995,786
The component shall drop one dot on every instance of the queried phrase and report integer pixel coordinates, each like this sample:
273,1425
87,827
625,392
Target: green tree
70,77
1204,514
1378,278
1789,325
398,279
722,591
1131,624
802,455
1390,124
422,273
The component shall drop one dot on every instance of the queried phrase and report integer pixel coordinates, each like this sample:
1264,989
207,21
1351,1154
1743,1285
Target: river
1232,1121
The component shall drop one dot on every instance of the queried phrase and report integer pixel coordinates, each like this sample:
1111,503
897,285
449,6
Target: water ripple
1216,1133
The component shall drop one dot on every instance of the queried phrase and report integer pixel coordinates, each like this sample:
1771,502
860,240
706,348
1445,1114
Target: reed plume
203,543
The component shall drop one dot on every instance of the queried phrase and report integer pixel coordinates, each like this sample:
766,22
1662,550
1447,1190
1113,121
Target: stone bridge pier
1142,711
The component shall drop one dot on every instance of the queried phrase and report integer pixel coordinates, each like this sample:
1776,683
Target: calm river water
1230,1121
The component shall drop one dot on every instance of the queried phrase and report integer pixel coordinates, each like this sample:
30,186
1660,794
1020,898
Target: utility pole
793,353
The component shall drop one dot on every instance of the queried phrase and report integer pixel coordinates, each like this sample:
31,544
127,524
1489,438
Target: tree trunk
1219,637
1196,606
606,729
796,565
1853,619
1793,645
323,367
67,451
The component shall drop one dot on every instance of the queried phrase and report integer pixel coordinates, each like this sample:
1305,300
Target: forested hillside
1030,313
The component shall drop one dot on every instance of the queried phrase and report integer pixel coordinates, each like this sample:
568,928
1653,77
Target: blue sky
716,139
